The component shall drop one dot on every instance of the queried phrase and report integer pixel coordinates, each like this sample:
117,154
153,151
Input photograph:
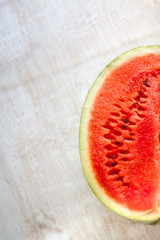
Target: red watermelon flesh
123,134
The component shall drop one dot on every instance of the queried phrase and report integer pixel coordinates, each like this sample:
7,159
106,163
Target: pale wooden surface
50,54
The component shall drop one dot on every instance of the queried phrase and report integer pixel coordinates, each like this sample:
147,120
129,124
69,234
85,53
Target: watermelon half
120,135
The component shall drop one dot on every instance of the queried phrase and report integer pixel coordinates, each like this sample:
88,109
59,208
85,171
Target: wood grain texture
51,52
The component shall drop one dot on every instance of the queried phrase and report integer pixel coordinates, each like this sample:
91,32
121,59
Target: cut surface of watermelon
120,135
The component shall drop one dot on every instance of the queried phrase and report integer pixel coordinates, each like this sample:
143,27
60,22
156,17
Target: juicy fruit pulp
122,136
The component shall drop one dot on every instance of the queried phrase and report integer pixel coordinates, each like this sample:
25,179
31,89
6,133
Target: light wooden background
51,51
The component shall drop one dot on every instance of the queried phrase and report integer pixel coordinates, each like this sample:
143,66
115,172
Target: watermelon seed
123,126
113,164
111,155
119,179
118,143
110,164
125,120
137,98
146,83
124,151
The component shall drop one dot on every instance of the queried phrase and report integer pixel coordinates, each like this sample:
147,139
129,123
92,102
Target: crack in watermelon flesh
123,134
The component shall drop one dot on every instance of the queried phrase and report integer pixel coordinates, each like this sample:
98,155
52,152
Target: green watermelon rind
145,217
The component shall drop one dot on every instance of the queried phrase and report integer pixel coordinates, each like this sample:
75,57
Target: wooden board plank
51,52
